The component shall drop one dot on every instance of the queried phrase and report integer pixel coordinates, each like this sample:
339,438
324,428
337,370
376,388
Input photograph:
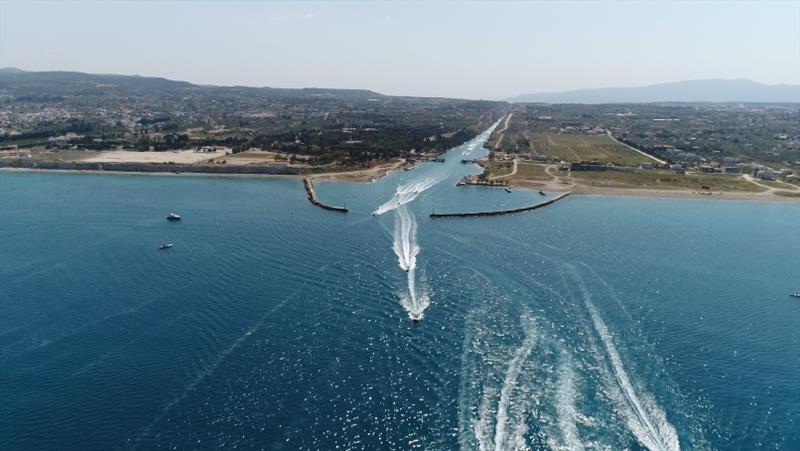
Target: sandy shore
361,175
581,190
155,174
563,184
175,156
375,173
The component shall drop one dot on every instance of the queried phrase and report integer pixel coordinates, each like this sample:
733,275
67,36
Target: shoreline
358,176
678,194
373,174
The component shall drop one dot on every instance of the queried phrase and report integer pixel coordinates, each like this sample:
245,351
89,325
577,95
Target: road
770,189
635,149
510,174
503,131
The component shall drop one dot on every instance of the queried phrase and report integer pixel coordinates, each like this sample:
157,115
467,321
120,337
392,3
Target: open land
74,121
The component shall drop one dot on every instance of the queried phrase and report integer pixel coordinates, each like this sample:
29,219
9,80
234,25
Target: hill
717,90
20,83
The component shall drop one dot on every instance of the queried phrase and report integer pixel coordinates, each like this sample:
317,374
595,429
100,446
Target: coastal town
137,124
701,150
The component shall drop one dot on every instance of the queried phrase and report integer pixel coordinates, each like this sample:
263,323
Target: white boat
165,246
173,217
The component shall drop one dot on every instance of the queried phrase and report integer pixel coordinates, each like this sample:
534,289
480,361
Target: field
649,179
259,157
523,137
530,171
583,148
496,168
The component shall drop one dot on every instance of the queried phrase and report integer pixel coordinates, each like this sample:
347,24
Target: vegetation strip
500,212
312,197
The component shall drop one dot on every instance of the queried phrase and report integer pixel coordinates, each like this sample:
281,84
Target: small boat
165,246
542,193
173,217
795,295
508,190
415,317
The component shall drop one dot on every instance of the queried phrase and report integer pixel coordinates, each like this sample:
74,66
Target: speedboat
173,217
165,246
795,295
508,190
542,193
415,317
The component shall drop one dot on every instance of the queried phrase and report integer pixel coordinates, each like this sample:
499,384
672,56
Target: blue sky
451,49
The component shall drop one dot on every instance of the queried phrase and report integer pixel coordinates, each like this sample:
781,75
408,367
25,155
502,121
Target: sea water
597,322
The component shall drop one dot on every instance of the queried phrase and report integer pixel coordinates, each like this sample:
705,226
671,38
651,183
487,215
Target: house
766,174
587,166
708,169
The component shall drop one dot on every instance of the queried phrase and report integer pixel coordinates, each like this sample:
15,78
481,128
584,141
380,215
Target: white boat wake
404,242
406,248
644,417
408,192
508,427
405,239
565,406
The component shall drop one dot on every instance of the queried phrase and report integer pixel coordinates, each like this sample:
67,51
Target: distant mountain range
717,90
22,82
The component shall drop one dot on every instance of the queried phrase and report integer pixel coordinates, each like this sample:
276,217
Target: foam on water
409,191
501,437
405,239
565,406
503,425
406,248
645,418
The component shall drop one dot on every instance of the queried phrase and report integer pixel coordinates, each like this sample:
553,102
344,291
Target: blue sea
594,323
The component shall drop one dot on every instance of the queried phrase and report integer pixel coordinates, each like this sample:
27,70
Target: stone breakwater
500,212
312,197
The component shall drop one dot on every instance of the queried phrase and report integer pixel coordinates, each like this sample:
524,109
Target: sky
475,50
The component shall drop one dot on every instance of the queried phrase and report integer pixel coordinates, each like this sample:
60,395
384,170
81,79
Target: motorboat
173,217
508,190
542,193
795,295
166,246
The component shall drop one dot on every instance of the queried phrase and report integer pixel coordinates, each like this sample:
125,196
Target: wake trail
645,419
406,248
409,192
507,434
565,406
405,239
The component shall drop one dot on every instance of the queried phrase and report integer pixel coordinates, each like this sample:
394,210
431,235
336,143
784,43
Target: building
588,166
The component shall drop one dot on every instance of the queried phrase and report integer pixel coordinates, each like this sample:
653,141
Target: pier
312,197
500,212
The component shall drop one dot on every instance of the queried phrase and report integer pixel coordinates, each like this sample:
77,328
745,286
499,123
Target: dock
312,197
501,212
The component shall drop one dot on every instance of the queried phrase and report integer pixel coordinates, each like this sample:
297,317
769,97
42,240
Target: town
67,120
